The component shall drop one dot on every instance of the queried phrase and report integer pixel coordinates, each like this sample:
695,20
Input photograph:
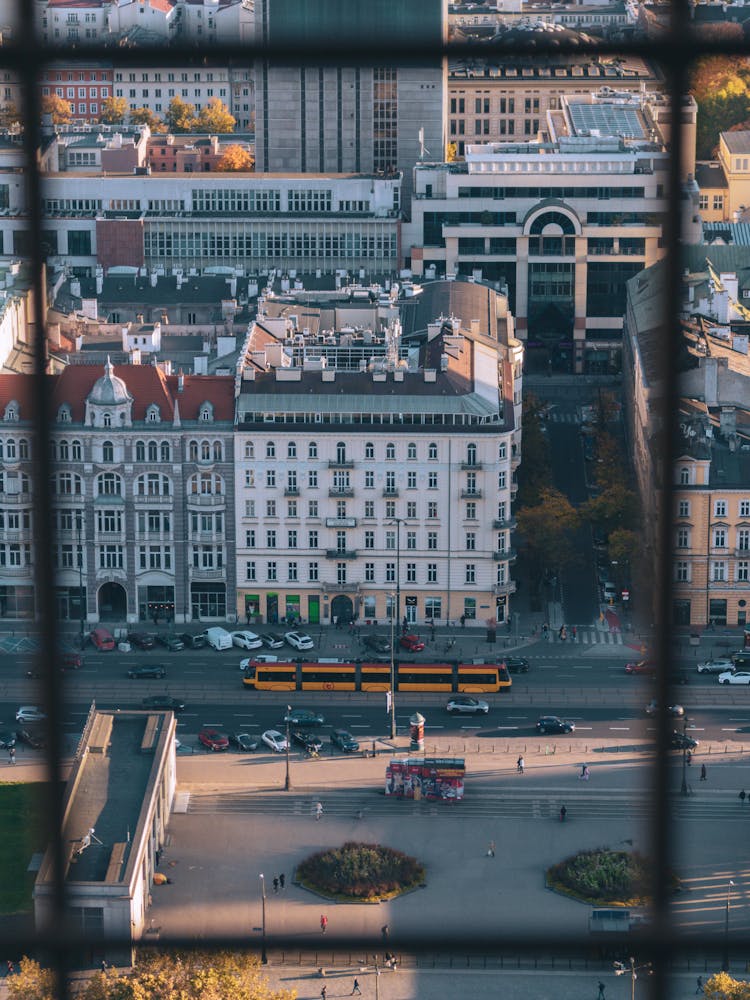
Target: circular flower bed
602,876
366,873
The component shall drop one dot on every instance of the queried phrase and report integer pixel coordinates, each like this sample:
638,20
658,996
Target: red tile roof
20,388
198,389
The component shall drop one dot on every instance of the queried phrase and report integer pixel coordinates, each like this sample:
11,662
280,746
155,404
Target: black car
173,643
344,740
32,738
141,639
148,670
553,724
197,641
300,717
164,702
244,742
271,640
378,643
516,664
308,741
681,741
7,740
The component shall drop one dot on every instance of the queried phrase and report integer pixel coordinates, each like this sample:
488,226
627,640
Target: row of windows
719,538
719,572
391,452
341,482
291,572
293,508
721,507
254,243
145,451
149,484
344,540
12,449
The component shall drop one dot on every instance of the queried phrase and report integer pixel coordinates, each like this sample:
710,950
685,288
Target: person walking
699,985
463,621
385,931
323,923
355,988
703,772
689,758
491,849
520,765
563,813
573,634
275,884
324,993
12,755
601,991
742,796
282,880
318,810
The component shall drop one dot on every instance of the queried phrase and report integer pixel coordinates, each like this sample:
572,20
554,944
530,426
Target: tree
533,474
236,158
547,529
723,987
61,111
180,116
145,116
451,152
617,507
215,117
114,110
9,115
31,982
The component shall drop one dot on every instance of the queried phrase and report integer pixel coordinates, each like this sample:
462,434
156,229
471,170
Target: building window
432,572
411,572
292,572
744,508
270,449
718,571
471,511
411,451
682,572
432,539
312,508
270,539
312,539
684,508
432,480
312,450
411,480
369,572
720,538
432,509
270,478
390,452
270,508
743,539
471,541
743,570
369,508
369,450
390,572
312,479
432,452
291,449
292,540
369,479
312,572
470,573
411,539
271,572
341,573
683,538
684,476
720,508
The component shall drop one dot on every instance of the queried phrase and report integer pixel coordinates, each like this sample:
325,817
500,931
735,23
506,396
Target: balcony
291,491
742,553
510,523
474,494
207,500
16,536
340,588
19,498
499,589
728,585
505,555
471,466
390,491
204,536
18,571
157,499
200,573
341,491
347,463
341,553
341,522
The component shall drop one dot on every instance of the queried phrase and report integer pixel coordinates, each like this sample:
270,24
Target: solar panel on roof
607,119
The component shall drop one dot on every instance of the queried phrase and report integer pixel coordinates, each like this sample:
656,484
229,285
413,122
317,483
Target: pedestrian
385,931
355,988
248,616
11,967
157,856
573,634
104,965
282,880
703,772
563,813
520,765
742,796
388,958
12,755
323,923
275,884
699,985
601,991
318,810
463,621
491,849
324,993
688,758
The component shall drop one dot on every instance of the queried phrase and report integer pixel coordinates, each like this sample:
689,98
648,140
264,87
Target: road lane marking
498,728
619,729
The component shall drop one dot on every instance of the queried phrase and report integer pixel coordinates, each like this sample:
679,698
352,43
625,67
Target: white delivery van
218,638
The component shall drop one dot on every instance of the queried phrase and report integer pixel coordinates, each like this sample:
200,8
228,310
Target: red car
641,667
412,642
212,739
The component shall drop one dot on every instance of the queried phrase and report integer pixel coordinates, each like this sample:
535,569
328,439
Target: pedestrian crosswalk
558,417
588,635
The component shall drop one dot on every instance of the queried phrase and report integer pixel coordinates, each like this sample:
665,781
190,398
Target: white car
715,667
735,677
260,658
299,640
30,713
275,740
246,640
465,705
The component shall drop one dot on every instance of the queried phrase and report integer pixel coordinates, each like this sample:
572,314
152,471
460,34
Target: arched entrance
112,603
342,609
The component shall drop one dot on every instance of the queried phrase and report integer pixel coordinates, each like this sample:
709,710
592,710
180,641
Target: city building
561,221
116,808
83,85
725,183
377,441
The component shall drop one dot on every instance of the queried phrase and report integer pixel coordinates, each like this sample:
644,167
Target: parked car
609,591
102,639
411,642
275,740
310,742
676,711
463,704
299,640
647,667
344,740
172,642
197,641
681,741
246,640
212,739
32,738
304,717
272,640
30,713
163,702
147,670
554,724
258,658
516,664
141,640
720,666
378,643
69,659
735,677
244,742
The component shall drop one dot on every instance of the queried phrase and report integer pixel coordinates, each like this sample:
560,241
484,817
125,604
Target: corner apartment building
561,222
376,450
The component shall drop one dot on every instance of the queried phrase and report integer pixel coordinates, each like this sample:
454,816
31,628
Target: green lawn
21,835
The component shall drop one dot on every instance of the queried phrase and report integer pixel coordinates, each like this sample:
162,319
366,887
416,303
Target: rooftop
737,142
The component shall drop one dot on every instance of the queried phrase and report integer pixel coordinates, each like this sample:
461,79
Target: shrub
604,876
364,872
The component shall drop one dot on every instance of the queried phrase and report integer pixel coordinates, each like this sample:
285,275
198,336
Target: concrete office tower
342,119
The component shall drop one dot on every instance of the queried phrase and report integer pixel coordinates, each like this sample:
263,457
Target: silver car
462,704
715,666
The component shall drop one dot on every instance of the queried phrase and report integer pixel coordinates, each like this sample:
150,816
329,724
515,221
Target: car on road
377,643
275,740
164,702
681,741
244,742
147,670
69,658
7,740
197,641
719,666
554,724
310,742
304,717
30,713
212,739
32,738
142,640
464,704
516,664
173,643
609,591
272,640
299,640
411,642
735,677
246,640
676,711
647,667
102,639
344,740
258,658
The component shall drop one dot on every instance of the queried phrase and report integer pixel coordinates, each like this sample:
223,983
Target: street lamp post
621,969
263,955
684,788
81,596
397,521
393,675
725,963
287,779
